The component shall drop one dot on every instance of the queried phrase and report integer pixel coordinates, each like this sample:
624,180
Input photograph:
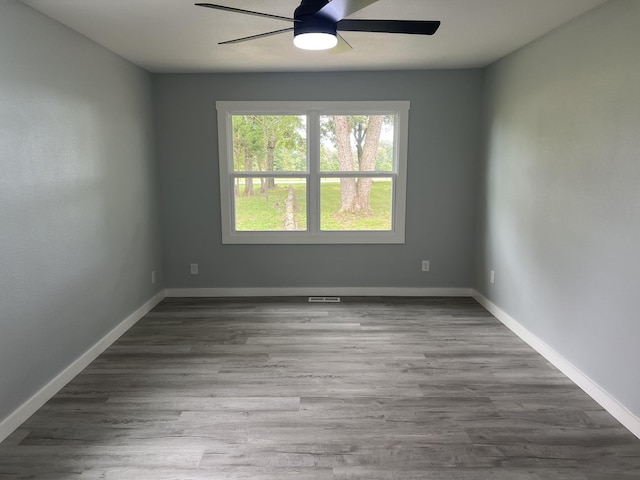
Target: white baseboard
601,396
28,408
320,292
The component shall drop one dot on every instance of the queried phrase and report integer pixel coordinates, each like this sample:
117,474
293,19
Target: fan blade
415,27
253,37
342,46
247,12
338,9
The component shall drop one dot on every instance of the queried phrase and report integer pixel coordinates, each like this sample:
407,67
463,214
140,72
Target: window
313,172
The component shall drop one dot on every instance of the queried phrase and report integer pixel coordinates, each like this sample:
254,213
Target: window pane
270,204
269,143
356,204
356,143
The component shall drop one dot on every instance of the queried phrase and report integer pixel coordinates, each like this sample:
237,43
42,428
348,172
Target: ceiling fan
316,23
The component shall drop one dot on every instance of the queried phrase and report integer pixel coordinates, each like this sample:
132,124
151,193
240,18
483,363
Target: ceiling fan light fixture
314,32
315,41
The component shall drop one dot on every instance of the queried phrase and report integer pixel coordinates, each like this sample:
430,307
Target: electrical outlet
426,265
492,277
194,269
153,277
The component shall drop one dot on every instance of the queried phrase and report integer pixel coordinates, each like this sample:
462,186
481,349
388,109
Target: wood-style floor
278,389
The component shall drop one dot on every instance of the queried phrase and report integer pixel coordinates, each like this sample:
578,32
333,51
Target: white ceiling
176,36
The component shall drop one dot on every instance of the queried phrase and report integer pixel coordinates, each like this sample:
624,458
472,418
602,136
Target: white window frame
313,110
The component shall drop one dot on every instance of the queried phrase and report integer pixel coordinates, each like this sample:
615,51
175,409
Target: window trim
313,110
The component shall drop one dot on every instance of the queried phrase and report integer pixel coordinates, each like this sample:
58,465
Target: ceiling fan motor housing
308,20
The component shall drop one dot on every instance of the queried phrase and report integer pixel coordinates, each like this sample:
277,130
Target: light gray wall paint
443,155
560,221
78,209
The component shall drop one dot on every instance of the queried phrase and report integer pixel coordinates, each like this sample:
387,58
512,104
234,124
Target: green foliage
384,160
290,160
269,143
328,159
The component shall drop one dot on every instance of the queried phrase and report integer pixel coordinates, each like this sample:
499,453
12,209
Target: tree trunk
345,162
271,153
368,162
248,167
356,193
359,135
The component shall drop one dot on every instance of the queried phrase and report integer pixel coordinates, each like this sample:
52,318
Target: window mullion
313,152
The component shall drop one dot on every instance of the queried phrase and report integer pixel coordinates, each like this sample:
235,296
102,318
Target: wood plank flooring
277,389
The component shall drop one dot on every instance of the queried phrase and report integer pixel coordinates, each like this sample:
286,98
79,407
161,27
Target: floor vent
324,299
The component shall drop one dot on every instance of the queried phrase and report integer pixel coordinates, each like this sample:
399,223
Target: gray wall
560,216
78,207
443,155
